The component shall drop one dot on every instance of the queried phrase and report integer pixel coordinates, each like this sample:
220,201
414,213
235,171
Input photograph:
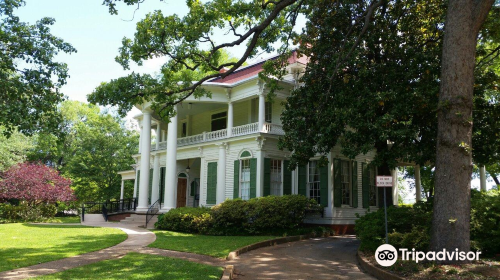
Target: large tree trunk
451,217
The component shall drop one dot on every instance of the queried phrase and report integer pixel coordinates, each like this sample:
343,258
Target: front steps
140,220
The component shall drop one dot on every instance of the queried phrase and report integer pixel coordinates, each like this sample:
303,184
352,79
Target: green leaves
29,77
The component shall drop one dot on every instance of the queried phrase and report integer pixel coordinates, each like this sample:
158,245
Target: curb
375,271
272,242
228,273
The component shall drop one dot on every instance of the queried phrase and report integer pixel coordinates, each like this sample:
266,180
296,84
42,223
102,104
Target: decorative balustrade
245,129
222,134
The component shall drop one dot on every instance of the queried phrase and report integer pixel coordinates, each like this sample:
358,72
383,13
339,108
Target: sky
97,35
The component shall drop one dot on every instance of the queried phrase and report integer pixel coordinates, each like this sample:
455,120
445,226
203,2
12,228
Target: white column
418,185
260,173
221,174
140,137
170,199
155,190
162,135
230,119
482,177
262,111
330,209
121,190
134,195
395,186
203,182
145,154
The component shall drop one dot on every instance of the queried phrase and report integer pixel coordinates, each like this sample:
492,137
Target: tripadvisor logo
387,255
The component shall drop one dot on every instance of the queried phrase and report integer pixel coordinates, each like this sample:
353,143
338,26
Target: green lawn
65,220
215,246
28,244
141,266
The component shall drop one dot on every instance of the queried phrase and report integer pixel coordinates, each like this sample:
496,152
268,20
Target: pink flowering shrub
35,183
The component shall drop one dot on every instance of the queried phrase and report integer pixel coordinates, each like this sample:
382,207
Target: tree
34,183
30,79
261,23
97,145
13,150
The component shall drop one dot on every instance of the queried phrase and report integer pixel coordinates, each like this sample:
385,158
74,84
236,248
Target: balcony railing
222,134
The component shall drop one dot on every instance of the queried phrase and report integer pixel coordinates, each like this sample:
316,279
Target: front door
181,192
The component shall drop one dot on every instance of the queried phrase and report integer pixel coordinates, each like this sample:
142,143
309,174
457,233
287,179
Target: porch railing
108,207
152,211
250,128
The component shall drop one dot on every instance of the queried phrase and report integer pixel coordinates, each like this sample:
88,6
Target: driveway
318,258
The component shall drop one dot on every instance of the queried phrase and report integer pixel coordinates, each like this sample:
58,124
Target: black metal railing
108,207
152,211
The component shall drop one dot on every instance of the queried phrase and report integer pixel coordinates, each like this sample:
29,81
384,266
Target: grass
140,266
28,244
215,246
64,220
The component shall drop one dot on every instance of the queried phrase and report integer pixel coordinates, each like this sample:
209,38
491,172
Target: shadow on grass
141,266
26,244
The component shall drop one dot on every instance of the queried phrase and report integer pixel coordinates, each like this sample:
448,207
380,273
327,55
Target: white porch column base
170,199
418,186
482,177
155,194
145,154
221,174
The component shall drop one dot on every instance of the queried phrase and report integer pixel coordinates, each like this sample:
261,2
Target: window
373,186
268,112
245,179
275,177
184,129
346,182
314,188
219,121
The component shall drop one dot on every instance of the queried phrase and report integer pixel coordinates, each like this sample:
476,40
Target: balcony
222,134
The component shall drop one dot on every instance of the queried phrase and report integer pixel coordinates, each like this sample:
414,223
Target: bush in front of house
257,216
29,192
409,226
185,219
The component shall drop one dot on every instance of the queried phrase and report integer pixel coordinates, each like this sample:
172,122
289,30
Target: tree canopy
30,78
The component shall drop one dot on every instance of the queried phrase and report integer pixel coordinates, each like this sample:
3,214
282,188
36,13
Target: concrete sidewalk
137,239
318,258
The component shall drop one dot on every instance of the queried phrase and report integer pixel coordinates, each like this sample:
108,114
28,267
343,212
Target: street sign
384,181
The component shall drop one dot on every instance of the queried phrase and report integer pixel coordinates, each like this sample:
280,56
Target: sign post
385,182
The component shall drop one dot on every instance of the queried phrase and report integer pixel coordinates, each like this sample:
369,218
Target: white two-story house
225,147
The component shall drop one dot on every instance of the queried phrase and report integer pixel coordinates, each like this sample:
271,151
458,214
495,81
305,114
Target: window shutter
323,185
365,185
162,183
303,180
354,184
253,177
236,190
211,182
138,183
150,185
267,176
192,191
287,178
337,183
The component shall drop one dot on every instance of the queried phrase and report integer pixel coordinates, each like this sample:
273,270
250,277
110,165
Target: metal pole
385,211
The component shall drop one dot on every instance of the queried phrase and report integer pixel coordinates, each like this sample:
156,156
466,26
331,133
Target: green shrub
264,215
409,227
485,222
27,213
184,219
